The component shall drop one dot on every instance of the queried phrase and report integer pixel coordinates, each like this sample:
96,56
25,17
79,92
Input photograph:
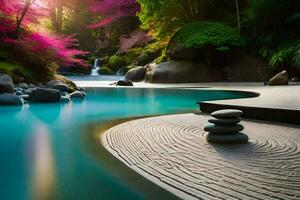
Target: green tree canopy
164,17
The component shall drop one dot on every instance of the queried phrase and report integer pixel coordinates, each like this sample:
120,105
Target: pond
41,147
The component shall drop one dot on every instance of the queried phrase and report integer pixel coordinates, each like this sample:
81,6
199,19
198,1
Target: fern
296,59
200,34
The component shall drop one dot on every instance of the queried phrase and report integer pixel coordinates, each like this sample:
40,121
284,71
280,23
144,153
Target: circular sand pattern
172,152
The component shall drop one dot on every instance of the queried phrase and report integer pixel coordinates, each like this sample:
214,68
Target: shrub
201,34
131,55
104,60
163,57
285,54
296,58
18,72
116,62
105,71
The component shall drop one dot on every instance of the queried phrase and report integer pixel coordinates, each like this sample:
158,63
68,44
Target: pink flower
135,39
112,10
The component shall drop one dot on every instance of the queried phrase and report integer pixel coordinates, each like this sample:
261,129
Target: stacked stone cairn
225,127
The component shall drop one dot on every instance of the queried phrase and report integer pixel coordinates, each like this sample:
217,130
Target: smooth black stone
10,99
124,83
226,122
45,95
227,113
235,138
223,129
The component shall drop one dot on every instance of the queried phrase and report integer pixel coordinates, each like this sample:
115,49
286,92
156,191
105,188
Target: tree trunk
57,16
20,19
238,14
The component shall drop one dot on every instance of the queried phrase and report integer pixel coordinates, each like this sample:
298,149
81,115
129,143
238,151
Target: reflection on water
41,148
43,172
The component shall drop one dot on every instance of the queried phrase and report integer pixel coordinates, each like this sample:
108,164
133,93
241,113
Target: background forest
40,37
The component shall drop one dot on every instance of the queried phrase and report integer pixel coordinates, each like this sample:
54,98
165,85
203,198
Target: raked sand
172,152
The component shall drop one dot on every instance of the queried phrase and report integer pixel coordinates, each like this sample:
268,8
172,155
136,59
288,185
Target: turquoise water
41,153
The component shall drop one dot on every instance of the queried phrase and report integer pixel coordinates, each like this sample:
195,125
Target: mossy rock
65,80
105,71
116,62
209,42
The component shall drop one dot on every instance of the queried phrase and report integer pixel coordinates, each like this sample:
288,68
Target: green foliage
200,34
283,54
105,71
164,18
294,19
296,59
272,26
16,71
131,55
104,60
116,62
163,57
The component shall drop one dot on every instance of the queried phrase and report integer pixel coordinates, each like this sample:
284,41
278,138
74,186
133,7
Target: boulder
182,72
23,85
45,95
208,54
124,83
51,83
6,84
10,99
77,95
41,85
28,91
247,68
281,78
136,74
18,93
177,51
61,87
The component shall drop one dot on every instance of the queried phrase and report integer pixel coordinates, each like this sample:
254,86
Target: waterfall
120,72
95,68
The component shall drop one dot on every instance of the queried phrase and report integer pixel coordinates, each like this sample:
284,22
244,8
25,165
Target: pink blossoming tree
137,38
41,49
112,10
